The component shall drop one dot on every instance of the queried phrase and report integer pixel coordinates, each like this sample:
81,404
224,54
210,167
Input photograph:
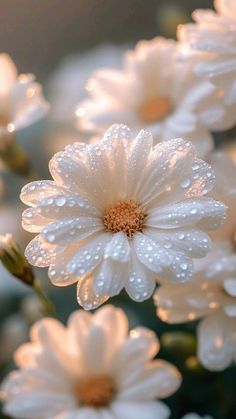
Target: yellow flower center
155,109
96,391
126,216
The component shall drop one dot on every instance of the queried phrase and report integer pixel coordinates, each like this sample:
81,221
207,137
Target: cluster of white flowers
147,206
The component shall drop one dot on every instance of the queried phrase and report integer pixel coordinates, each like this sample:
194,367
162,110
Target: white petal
8,73
66,205
136,350
191,242
159,380
111,318
179,303
89,255
169,163
137,161
32,192
216,342
33,221
39,253
153,256
140,410
70,230
95,349
118,248
202,212
109,278
48,332
140,282
180,269
230,286
29,404
78,326
117,132
86,296
57,272
27,109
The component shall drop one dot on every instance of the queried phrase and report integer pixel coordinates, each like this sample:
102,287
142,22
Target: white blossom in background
84,370
121,214
225,190
21,99
154,91
211,43
66,85
211,295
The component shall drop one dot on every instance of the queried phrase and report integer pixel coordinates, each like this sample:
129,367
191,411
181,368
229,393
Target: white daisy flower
84,370
211,41
155,92
21,100
121,213
211,295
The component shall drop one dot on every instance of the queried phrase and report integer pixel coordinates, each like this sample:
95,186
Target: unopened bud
14,260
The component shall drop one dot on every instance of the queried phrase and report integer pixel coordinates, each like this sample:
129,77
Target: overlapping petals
211,295
57,357
168,182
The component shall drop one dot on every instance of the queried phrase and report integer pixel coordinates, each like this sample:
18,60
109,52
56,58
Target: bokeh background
38,35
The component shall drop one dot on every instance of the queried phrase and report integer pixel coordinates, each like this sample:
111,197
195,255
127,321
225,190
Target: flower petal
118,248
159,380
109,278
88,256
39,253
202,212
140,410
86,296
141,282
70,230
216,342
153,256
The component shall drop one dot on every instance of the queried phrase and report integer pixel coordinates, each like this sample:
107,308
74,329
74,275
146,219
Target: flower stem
48,306
17,160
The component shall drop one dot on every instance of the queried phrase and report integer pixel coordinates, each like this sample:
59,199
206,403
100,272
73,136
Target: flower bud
14,260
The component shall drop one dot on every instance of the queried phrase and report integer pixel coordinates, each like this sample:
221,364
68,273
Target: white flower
225,190
211,42
155,91
119,213
67,84
87,371
21,100
211,295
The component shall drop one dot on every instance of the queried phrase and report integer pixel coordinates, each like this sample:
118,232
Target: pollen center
126,216
155,109
96,391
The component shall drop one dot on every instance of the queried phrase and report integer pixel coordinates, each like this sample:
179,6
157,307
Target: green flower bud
14,260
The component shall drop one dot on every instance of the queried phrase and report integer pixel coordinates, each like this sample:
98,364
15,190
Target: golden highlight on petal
96,391
126,216
155,109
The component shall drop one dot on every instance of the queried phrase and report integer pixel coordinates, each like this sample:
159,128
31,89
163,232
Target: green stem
48,306
16,159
